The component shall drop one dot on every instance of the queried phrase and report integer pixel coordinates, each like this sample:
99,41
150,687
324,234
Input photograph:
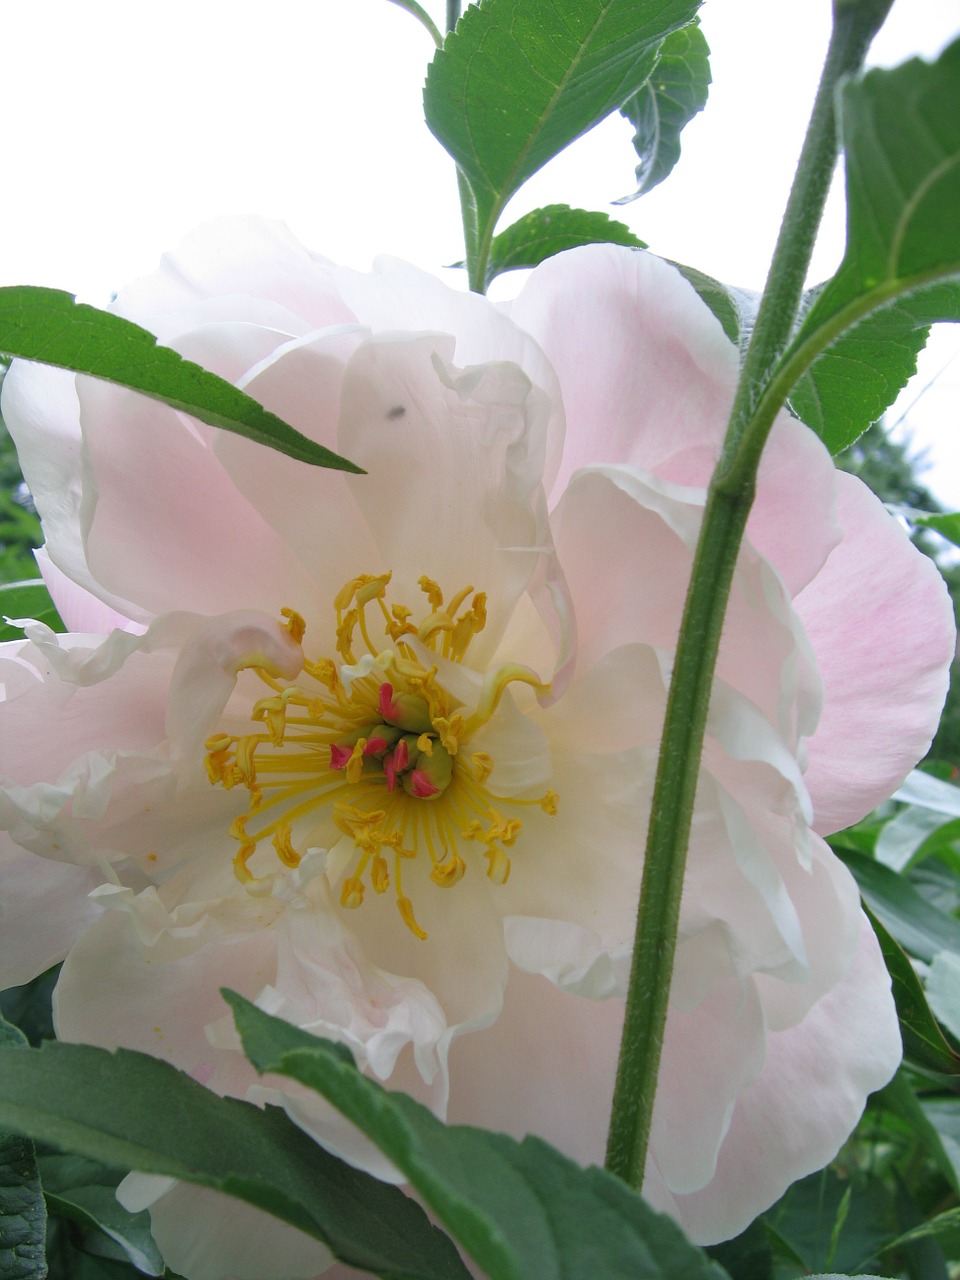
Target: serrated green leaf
916,924
923,1041
540,234
51,327
521,1209
858,377
515,83
676,92
28,598
23,1216
137,1112
901,137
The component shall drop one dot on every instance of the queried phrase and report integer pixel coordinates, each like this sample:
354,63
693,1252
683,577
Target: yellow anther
283,843
504,829
432,591
451,731
241,858
372,587
498,864
246,749
345,635
354,766
482,766
219,766
238,827
325,672
405,907
294,623
493,686
449,872
379,875
549,803
351,895
273,712
288,765
399,624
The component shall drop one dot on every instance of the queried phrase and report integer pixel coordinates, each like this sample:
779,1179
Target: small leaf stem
729,499
453,13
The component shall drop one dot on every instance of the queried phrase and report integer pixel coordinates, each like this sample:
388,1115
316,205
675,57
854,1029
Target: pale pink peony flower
341,713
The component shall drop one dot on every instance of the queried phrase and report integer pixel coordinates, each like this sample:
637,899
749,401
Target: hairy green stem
728,505
453,13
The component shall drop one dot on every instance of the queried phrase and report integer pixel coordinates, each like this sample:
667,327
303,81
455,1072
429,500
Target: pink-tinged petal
648,376
455,460
398,297
310,507
503,1079
645,369
238,256
810,1094
44,909
615,528
208,665
881,625
144,978
164,525
41,410
125,713
208,1236
79,608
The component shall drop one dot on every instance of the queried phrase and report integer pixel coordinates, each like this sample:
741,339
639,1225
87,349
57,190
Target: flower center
380,743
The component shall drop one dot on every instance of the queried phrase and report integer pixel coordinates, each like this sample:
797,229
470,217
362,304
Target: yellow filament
287,767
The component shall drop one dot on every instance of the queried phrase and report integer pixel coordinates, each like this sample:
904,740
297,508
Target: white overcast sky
127,124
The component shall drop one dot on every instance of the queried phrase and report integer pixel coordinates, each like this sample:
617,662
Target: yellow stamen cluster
380,755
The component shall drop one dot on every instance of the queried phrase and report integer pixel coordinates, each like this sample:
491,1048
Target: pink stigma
421,786
388,709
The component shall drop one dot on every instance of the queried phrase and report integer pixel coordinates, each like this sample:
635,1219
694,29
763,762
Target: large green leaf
521,1209
901,136
924,1044
900,1098
827,1221
50,326
857,378
23,1216
136,1112
515,83
920,928
540,234
676,91
84,1192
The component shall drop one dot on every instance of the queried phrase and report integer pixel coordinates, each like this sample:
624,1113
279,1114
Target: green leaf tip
51,327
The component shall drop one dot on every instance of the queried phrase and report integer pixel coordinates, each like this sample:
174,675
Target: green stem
729,499
453,13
